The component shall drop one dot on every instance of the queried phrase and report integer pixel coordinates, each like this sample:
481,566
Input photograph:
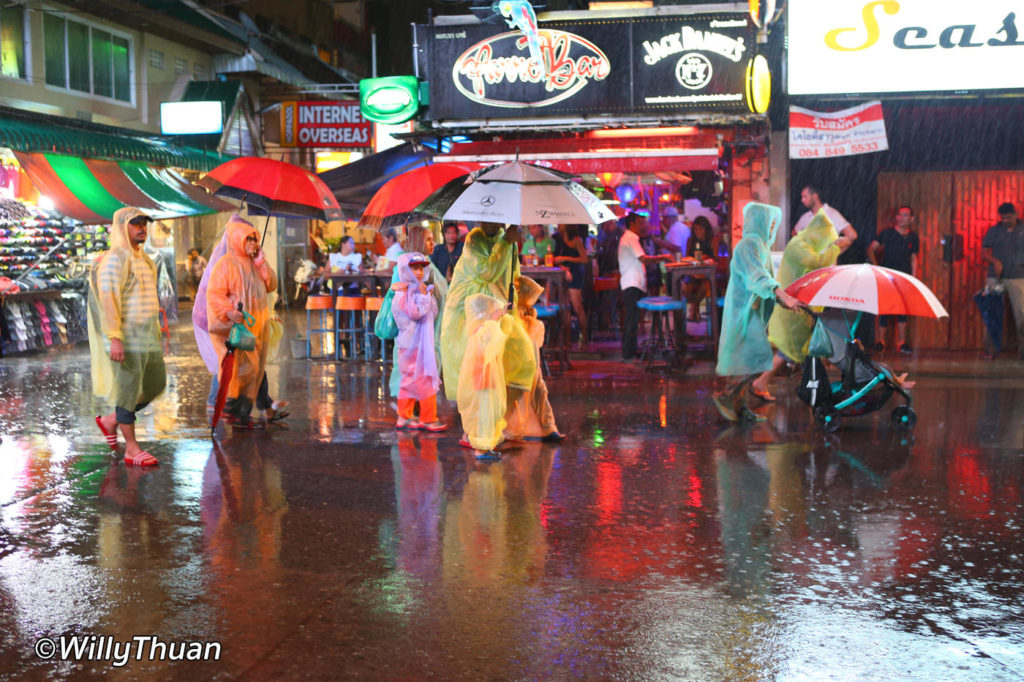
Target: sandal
463,442
763,396
407,425
278,416
725,410
488,456
553,437
111,438
142,459
434,427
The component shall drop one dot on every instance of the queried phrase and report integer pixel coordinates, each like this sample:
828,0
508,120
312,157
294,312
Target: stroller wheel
828,418
904,417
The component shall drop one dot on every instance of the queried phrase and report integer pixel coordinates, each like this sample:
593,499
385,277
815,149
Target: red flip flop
143,459
111,438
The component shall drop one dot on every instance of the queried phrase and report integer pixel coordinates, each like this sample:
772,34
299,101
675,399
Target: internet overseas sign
324,124
879,46
704,62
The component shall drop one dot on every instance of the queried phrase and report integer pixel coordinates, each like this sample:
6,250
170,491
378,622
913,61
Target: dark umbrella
273,188
992,309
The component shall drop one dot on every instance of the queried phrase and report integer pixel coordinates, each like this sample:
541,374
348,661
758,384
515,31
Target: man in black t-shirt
900,246
1003,249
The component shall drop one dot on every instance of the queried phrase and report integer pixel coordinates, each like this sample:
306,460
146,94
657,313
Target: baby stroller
864,386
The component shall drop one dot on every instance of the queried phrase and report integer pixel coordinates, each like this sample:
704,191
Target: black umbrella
990,305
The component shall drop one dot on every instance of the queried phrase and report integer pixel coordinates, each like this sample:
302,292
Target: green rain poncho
488,266
123,304
812,248
743,347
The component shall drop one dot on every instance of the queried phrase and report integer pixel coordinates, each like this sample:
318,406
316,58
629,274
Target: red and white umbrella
867,288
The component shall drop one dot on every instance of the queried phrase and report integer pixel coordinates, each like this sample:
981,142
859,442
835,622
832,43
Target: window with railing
87,58
12,41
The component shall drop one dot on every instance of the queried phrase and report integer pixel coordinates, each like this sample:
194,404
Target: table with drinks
377,281
677,274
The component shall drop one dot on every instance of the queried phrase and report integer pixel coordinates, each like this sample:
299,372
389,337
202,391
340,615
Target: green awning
62,136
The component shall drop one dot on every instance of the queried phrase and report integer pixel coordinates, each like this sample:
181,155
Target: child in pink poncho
415,309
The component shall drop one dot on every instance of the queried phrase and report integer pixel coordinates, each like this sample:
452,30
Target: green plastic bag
240,338
820,345
384,327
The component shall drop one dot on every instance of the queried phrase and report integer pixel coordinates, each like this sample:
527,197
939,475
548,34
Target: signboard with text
817,135
324,124
881,46
621,65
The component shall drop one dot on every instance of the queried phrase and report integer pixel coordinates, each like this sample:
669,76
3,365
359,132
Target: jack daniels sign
684,63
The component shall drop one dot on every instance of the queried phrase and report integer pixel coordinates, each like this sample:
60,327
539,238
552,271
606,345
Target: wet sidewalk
655,543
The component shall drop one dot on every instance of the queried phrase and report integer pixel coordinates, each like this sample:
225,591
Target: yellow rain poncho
237,279
123,305
530,415
481,390
743,346
812,248
487,266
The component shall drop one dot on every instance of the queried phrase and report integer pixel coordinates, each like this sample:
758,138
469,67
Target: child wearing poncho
481,390
529,412
415,309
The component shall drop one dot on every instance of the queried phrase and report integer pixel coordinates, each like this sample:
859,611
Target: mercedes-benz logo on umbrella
487,201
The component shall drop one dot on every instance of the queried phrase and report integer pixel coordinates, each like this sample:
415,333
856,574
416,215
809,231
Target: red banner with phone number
820,135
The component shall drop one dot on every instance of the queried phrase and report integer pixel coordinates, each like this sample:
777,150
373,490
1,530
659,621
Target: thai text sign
816,135
876,46
324,124
621,65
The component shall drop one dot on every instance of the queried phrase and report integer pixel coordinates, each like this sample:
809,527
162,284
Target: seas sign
627,65
887,46
324,124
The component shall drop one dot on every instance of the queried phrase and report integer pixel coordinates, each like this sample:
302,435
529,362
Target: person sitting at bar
538,244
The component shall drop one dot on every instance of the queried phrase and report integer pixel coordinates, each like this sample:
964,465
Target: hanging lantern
762,12
625,193
610,179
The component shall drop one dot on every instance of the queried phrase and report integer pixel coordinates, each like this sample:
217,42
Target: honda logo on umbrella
487,201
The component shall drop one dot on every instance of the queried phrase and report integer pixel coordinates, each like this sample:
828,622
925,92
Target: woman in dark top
571,254
700,240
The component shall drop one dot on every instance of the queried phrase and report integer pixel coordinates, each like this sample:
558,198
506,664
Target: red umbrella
867,288
273,188
398,196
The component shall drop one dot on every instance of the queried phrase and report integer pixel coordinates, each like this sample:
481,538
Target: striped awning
90,190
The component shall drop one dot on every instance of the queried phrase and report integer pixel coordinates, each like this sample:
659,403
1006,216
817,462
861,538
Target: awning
597,152
90,190
23,132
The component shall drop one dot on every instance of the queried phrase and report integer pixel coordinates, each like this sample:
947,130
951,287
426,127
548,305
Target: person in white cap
676,231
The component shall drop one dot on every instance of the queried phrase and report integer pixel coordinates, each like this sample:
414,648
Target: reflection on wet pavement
655,543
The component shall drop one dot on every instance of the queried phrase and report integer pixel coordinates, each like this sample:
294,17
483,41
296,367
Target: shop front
59,188
951,121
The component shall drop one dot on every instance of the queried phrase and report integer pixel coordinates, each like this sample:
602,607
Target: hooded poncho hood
819,233
405,270
761,221
119,227
237,230
529,292
481,308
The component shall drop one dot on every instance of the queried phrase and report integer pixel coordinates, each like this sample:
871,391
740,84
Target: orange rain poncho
237,279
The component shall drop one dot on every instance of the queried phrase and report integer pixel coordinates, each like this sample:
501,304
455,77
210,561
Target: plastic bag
240,338
385,328
820,345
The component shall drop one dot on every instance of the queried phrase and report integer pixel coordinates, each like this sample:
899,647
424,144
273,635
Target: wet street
655,543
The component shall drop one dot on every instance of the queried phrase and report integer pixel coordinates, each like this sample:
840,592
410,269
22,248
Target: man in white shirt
810,197
394,250
676,231
633,279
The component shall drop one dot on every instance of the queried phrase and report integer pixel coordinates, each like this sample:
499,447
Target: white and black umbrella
517,193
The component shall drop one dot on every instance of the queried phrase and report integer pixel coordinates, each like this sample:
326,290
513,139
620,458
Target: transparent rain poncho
530,415
435,279
487,266
743,346
481,391
123,304
812,248
414,313
200,328
237,279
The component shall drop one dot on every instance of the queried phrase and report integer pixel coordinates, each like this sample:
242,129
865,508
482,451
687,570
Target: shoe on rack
905,348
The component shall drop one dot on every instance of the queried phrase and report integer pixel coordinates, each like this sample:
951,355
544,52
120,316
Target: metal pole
373,54
415,52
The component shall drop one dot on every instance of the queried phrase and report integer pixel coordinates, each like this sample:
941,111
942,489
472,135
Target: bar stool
370,340
318,319
349,315
552,333
661,308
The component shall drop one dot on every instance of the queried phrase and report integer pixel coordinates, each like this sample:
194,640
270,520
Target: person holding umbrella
241,276
743,348
124,332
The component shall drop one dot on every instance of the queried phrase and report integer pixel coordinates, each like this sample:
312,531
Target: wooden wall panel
977,196
930,195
